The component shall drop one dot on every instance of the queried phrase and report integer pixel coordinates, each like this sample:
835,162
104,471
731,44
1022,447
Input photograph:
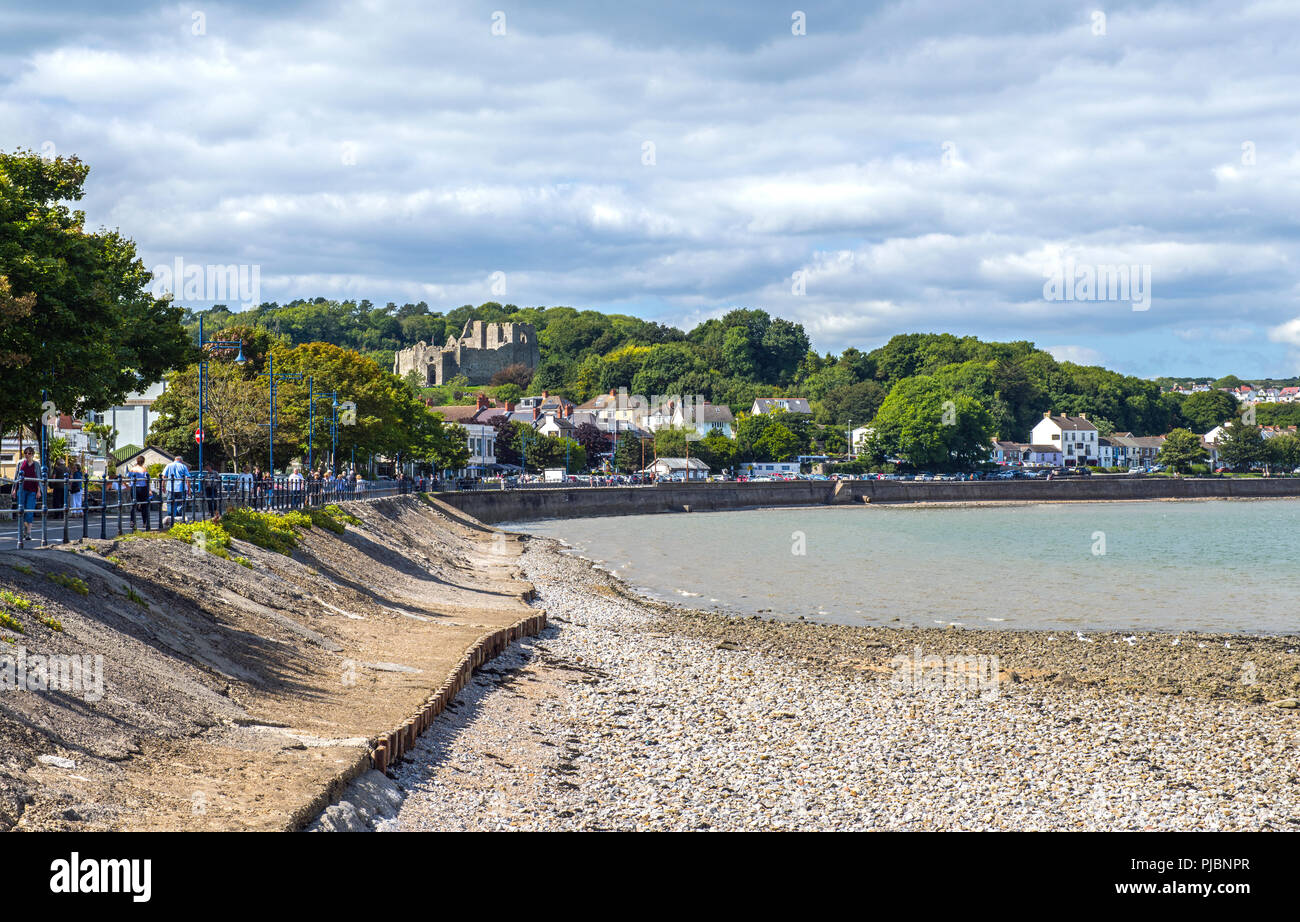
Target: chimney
510,406
545,394
536,413
611,392
1047,414
568,411
1083,416
481,401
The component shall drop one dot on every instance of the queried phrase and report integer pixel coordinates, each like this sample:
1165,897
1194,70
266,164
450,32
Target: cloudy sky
898,167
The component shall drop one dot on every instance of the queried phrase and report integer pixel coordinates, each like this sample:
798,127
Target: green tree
858,402
777,443
509,392
720,450
920,423
1284,451
1180,450
549,451
1241,446
234,422
629,452
1206,409
87,330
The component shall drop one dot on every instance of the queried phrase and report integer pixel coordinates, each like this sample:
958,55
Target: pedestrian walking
211,482
76,480
28,482
58,489
138,478
246,485
176,480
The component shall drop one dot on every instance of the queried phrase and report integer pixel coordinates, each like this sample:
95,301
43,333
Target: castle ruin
482,350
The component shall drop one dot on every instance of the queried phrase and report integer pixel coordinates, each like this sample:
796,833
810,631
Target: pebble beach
630,714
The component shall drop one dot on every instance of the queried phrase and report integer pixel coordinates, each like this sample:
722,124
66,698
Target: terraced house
1074,436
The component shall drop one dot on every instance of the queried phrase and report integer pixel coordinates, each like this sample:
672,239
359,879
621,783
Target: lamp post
311,422
312,396
273,379
203,378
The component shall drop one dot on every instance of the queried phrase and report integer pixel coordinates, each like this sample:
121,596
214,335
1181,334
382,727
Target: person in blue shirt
138,477
175,478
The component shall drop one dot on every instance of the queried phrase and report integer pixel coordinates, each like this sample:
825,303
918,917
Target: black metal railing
51,510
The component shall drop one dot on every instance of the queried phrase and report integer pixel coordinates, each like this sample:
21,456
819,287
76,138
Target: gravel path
620,716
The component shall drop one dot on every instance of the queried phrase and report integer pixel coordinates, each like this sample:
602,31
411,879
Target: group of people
298,488
65,489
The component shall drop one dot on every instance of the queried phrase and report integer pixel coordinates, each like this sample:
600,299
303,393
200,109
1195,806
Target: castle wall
482,350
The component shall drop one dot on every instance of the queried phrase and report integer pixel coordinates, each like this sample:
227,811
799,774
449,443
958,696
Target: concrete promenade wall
492,506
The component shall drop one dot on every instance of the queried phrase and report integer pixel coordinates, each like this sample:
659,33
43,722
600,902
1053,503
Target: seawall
491,506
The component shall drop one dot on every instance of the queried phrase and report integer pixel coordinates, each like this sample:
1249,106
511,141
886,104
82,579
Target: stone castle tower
482,350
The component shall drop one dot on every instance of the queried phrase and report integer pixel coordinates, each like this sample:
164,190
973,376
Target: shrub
208,535
7,621
51,623
339,513
67,581
296,520
266,529
326,521
23,568
15,601
133,596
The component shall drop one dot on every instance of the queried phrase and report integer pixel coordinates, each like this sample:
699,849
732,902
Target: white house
703,417
1075,437
480,435
789,404
769,468
133,418
679,469
1007,453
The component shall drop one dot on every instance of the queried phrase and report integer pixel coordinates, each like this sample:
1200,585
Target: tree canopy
77,322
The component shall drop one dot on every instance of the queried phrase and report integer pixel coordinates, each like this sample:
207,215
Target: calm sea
1204,566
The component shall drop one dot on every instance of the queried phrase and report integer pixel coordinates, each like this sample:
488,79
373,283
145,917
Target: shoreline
665,594
1197,659
631,713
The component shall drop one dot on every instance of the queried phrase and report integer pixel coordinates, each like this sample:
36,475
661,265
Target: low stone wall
491,506
388,748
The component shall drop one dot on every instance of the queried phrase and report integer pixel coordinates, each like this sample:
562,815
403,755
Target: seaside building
769,468
678,469
703,417
772,404
480,434
1041,455
1004,452
1074,437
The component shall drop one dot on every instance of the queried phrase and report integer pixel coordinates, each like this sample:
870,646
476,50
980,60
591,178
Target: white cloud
1079,355
826,153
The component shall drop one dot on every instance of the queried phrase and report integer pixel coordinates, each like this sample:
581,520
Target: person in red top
29,487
